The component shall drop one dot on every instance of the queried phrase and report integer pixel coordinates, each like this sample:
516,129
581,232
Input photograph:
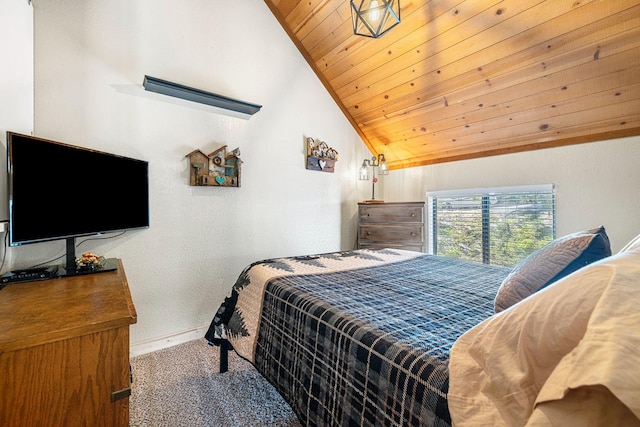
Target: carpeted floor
180,387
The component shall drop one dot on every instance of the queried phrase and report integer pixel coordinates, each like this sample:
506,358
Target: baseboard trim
167,341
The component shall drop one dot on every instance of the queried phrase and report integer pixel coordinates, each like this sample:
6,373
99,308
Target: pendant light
373,18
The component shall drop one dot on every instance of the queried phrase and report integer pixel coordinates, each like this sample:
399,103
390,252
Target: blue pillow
556,260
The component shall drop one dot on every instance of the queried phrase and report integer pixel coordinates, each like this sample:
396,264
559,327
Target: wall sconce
379,162
373,18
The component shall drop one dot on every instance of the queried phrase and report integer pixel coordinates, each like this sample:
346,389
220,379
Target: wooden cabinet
64,351
391,225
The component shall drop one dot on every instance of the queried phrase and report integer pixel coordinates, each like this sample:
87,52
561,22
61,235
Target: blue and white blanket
359,337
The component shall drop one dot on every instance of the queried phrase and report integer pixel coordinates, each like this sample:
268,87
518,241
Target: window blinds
494,226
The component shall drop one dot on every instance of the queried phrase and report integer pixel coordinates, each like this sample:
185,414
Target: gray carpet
181,386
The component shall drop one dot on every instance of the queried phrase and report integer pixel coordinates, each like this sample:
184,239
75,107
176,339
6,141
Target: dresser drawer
384,214
408,233
408,247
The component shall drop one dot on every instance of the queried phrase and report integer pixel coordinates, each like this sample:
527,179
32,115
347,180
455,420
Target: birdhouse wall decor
320,157
218,169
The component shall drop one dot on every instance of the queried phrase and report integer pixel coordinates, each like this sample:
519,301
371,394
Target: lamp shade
373,18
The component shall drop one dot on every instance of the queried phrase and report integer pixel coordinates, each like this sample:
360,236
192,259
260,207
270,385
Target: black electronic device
59,191
29,274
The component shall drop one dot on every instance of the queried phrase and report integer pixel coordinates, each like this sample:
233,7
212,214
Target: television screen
59,191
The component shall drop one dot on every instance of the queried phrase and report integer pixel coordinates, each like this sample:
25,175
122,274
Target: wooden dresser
64,351
391,225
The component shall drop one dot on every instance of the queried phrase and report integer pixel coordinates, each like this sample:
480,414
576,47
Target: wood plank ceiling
460,79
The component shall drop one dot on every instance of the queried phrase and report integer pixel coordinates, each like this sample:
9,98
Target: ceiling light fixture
381,163
373,18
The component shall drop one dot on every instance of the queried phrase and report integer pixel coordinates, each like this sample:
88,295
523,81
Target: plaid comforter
358,338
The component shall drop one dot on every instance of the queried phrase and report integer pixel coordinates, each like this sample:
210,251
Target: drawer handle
121,394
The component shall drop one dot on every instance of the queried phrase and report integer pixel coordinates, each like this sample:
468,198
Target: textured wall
90,60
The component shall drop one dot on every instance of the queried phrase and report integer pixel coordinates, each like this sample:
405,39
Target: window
494,226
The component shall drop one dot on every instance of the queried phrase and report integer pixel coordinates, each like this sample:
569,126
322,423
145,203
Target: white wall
16,82
90,60
596,183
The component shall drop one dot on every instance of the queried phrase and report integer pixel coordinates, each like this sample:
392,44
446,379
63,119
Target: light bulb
375,13
364,172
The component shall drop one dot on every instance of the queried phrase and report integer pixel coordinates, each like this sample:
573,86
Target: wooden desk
64,351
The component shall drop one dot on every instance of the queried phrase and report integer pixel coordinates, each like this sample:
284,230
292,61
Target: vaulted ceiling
460,79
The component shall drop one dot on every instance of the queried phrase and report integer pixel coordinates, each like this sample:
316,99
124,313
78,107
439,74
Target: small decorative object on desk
90,261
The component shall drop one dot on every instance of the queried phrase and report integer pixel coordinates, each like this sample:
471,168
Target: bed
358,337
396,338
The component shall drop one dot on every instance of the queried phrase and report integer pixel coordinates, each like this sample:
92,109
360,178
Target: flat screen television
59,191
